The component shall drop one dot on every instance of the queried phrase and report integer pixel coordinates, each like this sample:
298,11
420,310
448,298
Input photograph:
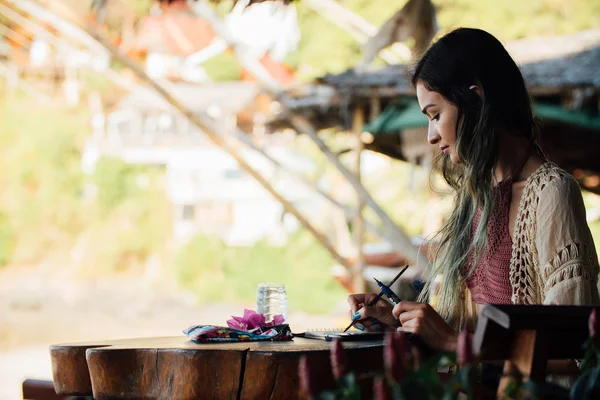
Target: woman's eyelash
435,117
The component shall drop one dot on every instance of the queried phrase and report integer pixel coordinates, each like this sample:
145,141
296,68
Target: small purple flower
306,383
381,389
338,359
277,320
237,323
464,349
594,326
394,354
252,320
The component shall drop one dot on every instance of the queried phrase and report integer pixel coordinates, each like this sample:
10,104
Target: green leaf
348,380
511,390
414,390
542,390
586,385
327,395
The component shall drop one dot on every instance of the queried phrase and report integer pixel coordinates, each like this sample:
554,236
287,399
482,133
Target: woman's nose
432,135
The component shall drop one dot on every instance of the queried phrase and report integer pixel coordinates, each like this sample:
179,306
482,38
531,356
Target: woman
518,232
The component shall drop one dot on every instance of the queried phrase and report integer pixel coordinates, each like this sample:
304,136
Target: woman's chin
454,158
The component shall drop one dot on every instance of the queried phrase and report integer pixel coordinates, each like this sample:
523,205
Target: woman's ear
477,90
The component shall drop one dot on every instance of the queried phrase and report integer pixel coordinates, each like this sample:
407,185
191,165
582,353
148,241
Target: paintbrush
376,299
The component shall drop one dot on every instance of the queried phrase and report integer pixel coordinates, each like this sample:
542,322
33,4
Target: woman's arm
568,264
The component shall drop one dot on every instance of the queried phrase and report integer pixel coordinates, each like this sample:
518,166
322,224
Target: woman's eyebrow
424,110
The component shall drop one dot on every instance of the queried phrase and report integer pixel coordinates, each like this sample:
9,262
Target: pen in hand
389,293
378,297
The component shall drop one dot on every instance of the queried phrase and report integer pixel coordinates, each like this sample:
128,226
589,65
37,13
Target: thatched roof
548,65
559,70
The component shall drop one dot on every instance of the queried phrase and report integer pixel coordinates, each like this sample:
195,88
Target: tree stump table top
177,368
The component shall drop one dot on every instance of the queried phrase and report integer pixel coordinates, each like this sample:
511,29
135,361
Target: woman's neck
517,159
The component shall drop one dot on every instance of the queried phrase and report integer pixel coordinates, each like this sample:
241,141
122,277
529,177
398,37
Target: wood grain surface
177,368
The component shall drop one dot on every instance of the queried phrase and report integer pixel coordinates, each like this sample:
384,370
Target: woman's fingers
408,316
404,306
354,301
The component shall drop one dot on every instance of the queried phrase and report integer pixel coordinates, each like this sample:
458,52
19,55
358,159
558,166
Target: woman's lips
445,149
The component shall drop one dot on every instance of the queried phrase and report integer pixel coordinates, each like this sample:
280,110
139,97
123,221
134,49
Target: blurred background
120,217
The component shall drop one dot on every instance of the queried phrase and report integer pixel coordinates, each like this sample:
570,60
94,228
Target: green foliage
326,48
137,227
115,181
421,380
223,67
40,175
42,211
515,19
217,272
7,240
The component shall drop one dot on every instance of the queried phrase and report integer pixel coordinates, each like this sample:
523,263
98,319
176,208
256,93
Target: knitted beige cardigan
553,259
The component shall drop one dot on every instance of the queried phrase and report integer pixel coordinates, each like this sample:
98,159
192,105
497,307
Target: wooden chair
35,389
529,336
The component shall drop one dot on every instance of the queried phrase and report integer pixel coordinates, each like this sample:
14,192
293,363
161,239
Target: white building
209,191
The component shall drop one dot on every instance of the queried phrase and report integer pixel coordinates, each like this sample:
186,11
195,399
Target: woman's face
442,117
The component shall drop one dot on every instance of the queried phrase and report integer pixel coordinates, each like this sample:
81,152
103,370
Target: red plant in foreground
307,384
394,356
381,390
594,326
338,359
464,350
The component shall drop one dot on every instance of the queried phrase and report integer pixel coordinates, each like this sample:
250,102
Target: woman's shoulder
550,178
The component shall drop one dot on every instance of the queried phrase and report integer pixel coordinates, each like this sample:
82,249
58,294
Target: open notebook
330,334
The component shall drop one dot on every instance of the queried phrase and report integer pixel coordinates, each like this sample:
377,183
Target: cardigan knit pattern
553,259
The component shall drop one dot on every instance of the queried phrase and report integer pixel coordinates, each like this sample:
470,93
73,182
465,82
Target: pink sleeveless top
489,283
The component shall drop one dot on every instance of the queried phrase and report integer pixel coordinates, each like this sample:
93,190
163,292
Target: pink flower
307,384
464,349
394,356
277,320
237,323
594,326
338,359
252,320
381,389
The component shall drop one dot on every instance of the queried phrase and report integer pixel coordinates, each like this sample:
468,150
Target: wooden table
177,368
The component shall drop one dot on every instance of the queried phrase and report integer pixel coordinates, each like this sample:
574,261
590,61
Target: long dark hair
460,59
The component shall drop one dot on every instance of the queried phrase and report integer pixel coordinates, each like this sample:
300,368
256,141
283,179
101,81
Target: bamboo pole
390,231
64,27
358,122
357,27
393,233
58,41
14,36
209,128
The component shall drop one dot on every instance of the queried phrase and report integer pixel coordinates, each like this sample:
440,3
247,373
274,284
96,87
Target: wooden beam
374,106
65,27
393,233
216,135
358,121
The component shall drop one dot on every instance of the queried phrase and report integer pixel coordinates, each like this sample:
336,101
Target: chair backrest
564,327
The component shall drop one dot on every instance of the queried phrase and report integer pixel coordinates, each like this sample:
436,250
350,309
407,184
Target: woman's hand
421,319
371,316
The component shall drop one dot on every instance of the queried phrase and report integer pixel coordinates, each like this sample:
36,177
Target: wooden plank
566,327
359,285
35,389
